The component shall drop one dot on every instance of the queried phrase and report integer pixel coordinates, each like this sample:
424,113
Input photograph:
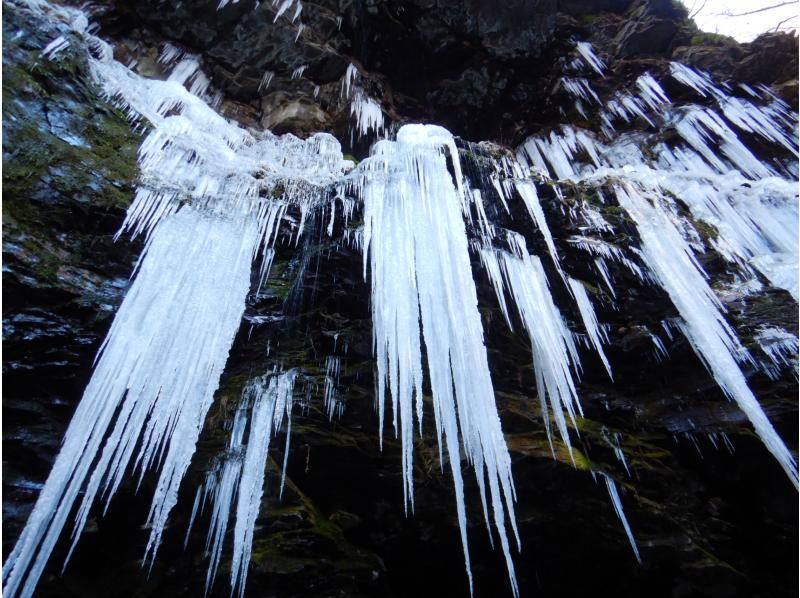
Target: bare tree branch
697,12
758,10
778,26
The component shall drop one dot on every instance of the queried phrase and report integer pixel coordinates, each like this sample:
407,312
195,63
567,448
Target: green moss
707,231
101,160
712,39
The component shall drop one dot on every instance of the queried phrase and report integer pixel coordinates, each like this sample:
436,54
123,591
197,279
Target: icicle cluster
206,208
239,483
554,353
416,250
751,205
366,112
212,198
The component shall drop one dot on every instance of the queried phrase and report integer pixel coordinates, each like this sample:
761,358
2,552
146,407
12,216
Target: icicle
712,338
527,191
349,78
169,54
614,440
272,403
284,6
700,82
298,72
660,350
554,352
587,52
596,333
266,79
607,250
780,347
416,249
651,92
580,88
696,128
367,113
617,502
333,406
52,49
600,264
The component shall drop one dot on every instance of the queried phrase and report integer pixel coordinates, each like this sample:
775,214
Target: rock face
709,521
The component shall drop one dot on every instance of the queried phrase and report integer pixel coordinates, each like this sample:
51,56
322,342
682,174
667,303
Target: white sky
713,16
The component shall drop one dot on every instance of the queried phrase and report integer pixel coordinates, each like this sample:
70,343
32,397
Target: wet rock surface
710,520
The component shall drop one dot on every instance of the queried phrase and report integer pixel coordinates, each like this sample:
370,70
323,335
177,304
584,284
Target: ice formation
416,250
670,258
332,405
220,486
210,204
266,402
272,403
617,502
780,347
587,52
153,384
597,335
367,113
756,219
555,356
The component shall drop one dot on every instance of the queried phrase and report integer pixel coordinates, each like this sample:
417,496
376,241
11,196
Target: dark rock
647,36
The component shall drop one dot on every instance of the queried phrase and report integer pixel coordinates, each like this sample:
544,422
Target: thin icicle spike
587,52
349,78
617,502
596,333
413,208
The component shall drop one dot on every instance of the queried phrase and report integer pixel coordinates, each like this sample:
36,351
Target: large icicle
671,260
554,351
416,249
154,380
160,364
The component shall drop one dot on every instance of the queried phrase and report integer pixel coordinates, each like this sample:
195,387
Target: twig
766,8
778,26
697,12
